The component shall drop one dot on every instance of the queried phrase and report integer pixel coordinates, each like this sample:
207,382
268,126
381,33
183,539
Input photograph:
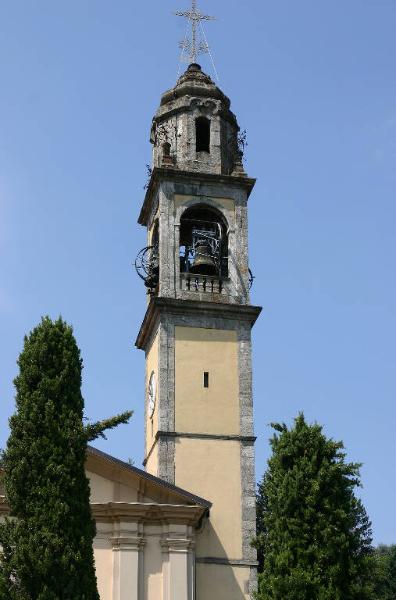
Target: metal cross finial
193,47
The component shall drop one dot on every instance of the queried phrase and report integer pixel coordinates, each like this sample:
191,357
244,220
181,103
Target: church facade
182,528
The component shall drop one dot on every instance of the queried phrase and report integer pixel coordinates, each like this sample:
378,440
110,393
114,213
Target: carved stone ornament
205,106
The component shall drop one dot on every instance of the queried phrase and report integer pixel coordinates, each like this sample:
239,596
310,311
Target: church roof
152,479
194,82
156,499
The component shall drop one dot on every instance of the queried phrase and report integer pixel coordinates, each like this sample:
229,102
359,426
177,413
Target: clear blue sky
313,82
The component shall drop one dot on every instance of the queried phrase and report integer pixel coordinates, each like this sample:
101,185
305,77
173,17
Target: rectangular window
202,134
206,379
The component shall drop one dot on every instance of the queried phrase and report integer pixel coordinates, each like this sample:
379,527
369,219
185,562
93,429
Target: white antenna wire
183,49
209,52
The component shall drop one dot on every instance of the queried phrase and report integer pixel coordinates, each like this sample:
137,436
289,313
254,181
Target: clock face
151,394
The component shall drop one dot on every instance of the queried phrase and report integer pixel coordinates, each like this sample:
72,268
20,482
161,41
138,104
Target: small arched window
155,234
166,149
202,134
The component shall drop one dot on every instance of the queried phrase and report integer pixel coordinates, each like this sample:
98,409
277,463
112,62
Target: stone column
178,569
176,259
128,567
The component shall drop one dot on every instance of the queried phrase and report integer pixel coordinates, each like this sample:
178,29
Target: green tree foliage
47,546
384,572
313,534
392,573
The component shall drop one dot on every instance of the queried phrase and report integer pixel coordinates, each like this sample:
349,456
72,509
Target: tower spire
197,44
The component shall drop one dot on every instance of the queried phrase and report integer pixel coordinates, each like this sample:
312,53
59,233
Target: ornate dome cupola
194,128
195,208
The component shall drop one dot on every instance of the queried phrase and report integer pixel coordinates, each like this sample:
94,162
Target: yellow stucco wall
109,490
211,469
102,489
221,582
152,424
152,461
206,410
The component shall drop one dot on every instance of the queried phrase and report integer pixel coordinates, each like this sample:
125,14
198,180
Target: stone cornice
140,512
178,175
250,439
234,562
177,545
157,306
121,543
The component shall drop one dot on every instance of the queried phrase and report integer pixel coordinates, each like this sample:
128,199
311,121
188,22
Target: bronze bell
204,263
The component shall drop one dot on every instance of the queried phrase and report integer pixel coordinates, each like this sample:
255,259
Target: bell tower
196,333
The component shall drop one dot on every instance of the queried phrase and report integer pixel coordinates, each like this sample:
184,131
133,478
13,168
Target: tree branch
95,430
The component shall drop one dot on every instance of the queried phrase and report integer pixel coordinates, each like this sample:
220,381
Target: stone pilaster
127,567
178,568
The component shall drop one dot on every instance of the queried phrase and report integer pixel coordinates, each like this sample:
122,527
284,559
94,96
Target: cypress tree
47,545
313,534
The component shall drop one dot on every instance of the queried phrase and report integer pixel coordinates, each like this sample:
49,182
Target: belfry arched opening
203,242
